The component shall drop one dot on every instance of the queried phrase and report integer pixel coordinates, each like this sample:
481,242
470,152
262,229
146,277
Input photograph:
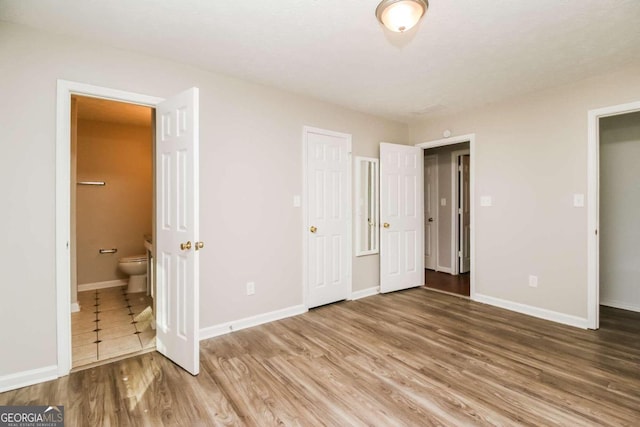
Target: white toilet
136,268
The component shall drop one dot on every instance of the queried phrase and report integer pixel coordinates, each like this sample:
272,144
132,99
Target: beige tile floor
106,326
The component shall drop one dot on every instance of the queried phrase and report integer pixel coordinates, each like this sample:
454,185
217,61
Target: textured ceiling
465,53
102,110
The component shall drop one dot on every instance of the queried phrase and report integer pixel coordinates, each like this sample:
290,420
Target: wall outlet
251,288
533,281
443,202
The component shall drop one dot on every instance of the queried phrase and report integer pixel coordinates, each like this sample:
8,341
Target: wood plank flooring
459,284
411,358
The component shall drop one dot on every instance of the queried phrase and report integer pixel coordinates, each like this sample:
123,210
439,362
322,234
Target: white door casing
402,216
328,216
177,223
465,215
431,212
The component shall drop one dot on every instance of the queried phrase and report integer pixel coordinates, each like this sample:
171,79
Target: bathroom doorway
112,209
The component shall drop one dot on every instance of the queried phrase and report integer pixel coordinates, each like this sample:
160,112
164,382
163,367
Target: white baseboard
621,305
248,322
443,269
530,310
75,307
363,293
25,378
101,285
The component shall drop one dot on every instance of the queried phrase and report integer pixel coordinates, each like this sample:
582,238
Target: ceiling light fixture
401,15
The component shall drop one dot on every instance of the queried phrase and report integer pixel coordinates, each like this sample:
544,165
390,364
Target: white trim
442,269
305,209
63,201
593,205
75,307
26,378
455,216
249,322
102,285
471,139
363,293
530,310
621,305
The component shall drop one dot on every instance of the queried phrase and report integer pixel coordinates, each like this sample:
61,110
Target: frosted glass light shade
401,15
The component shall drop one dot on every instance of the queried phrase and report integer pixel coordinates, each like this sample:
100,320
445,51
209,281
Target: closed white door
328,222
177,230
402,216
431,211
465,214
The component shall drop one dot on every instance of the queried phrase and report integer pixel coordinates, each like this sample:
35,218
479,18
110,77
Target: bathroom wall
118,214
444,192
619,206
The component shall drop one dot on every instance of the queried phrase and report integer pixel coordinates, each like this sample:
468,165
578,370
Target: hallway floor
109,325
459,285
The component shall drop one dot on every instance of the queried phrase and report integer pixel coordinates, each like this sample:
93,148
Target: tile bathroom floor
109,325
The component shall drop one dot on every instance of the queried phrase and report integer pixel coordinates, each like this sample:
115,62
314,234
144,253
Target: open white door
402,216
328,222
177,317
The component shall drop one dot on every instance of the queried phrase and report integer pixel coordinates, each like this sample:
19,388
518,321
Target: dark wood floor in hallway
459,284
415,358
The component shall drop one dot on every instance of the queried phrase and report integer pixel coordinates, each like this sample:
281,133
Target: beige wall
118,214
531,157
444,192
250,161
619,207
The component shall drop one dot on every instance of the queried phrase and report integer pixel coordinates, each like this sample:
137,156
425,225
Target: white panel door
328,222
177,137
402,216
465,214
431,211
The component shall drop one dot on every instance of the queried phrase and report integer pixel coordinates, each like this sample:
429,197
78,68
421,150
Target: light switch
296,201
486,201
578,200
443,202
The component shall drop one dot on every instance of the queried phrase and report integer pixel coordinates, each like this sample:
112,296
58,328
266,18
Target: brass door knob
386,225
185,246
313,229
199,245
430,220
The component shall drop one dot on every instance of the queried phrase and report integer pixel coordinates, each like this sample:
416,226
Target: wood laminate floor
459,284
415,358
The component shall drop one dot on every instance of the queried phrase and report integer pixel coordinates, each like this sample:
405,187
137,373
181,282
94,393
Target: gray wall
531,157
620,211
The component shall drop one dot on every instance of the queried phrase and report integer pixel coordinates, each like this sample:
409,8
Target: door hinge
459,168
460,254
460,211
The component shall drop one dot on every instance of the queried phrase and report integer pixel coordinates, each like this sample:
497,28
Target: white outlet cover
296,201
578,200
443,202
533,281
486,201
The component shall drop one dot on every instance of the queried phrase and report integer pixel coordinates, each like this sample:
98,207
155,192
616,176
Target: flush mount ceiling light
401,15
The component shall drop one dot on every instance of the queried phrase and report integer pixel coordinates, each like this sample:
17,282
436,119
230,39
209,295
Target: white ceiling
464,54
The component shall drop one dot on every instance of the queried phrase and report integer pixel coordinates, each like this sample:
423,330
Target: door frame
455,217
471,139
305,209
437,213
593,205
65,89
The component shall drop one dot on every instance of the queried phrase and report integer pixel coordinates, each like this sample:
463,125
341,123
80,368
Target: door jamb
65,89
437,213
593,205
305,209
455,217
471,139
